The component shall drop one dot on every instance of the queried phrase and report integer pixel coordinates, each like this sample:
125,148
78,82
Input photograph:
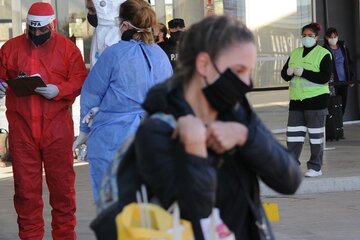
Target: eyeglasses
41,30
308,35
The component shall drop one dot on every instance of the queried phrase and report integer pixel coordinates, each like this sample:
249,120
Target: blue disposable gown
118,84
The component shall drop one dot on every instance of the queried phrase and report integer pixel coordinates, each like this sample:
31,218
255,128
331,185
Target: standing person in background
117,85
308,71
40,125
220,147
161,38
176,29
102,16
342,65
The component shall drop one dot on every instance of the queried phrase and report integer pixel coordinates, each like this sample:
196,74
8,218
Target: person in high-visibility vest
308,71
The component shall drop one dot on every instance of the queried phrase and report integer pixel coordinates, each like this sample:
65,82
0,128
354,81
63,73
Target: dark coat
199,184
348,64
170,48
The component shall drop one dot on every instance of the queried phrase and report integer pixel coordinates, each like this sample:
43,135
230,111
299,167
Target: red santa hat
40,14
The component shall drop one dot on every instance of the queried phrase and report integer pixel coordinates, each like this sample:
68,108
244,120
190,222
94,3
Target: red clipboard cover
24,86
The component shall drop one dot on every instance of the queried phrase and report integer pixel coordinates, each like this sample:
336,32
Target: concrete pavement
85,209
318,216
341,165
341,174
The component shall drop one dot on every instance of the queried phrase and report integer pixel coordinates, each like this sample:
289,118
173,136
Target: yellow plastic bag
140,221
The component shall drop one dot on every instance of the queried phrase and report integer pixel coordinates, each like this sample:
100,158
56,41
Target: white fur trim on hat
39,21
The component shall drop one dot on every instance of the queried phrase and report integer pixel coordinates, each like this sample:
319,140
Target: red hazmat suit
41,132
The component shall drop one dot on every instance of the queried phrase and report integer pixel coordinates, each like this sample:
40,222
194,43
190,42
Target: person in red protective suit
41,130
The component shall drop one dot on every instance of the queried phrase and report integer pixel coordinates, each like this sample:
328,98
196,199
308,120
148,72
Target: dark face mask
40,39
175,36
92,19
226,91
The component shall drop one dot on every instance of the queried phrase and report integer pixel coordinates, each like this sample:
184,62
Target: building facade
275,23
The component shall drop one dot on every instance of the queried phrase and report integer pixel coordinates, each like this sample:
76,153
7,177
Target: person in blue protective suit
116,86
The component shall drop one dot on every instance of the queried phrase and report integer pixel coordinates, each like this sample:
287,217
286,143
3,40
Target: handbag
214,228
147,221
119,185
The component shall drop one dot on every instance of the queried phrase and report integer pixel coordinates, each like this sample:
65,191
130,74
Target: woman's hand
192,133
223,136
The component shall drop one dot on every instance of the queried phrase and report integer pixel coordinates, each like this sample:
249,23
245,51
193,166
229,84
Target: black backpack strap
261,221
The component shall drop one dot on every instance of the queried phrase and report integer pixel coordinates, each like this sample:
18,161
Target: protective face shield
308,41
225,92
333,41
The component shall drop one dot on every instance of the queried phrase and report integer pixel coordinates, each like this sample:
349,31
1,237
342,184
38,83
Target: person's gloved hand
81,139
298,71
49,92
290,71
3,87
89,117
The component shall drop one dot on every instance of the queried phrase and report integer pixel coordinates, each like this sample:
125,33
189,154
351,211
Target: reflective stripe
295,139
306,84
296,129
311,84
316,141
316,130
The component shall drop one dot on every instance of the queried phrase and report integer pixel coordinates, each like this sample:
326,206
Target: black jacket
198,184
170,48
348,64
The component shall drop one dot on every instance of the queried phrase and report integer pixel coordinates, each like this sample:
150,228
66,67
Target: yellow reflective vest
301,88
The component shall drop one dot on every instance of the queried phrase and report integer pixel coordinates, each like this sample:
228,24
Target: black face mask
226,91
175,36
40,39
92,19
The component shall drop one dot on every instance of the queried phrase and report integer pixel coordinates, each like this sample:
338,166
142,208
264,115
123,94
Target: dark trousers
313,122
342,91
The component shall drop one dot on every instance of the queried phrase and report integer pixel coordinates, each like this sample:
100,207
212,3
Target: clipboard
24,86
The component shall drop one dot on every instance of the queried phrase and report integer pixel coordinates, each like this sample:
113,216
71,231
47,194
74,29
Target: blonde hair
141,15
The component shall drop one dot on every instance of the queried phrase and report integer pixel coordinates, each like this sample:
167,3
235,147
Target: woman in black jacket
220,147
343,74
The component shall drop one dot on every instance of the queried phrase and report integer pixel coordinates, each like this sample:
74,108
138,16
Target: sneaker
313,173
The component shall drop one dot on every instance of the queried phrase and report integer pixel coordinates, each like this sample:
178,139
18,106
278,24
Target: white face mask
333,41
308,41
